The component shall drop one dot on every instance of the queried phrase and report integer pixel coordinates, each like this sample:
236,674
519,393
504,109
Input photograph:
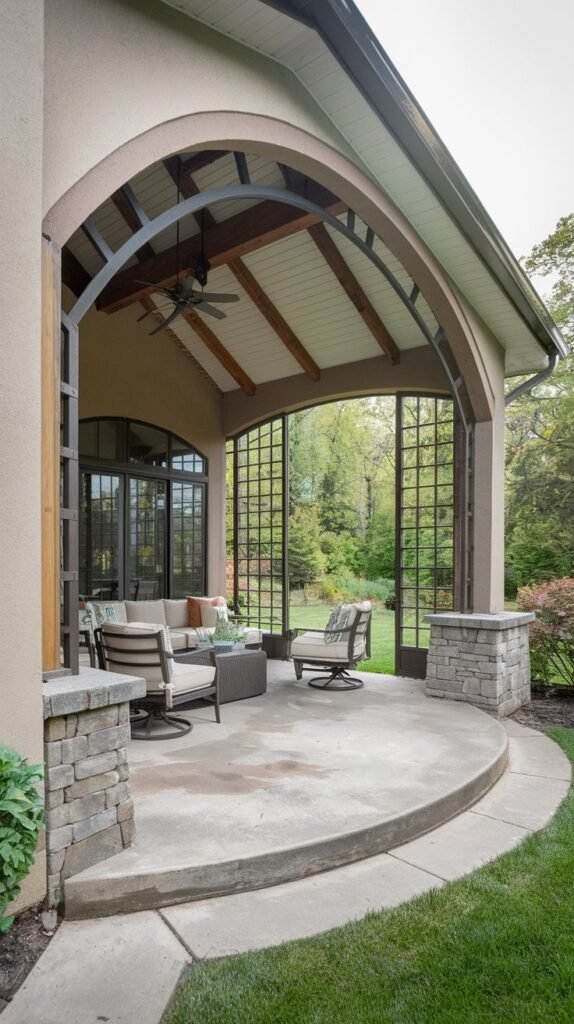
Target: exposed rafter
74,275
245,232
212,342
274,318
347,279
246,279
150,306
122,201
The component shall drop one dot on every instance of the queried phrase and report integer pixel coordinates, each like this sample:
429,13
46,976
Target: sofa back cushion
176,613
211,614
195,605
146,611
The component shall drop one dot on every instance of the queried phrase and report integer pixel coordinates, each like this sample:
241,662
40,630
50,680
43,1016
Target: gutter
351,41
527,385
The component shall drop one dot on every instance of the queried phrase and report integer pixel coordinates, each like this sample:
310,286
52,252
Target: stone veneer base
89,812
481,659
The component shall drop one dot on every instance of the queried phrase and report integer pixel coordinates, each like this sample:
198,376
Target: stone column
481,659
89,812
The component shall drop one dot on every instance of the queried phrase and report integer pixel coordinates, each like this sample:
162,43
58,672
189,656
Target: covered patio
261,171
291,784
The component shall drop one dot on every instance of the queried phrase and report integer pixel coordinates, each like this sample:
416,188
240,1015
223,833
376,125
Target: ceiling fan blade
211,311
219,297
151,284
161,327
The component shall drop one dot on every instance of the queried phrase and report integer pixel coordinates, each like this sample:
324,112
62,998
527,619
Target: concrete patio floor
291,783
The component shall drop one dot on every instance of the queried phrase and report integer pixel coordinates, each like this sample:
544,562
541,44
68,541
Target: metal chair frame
153,707
338,677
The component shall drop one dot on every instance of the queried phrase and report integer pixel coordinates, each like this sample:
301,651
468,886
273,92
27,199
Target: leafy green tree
306,560
540,438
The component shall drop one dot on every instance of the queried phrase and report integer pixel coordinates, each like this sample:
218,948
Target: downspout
527,385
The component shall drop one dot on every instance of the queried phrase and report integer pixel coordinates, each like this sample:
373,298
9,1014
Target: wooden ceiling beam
348,281
74,275
274,318
150,306
212,342
243,233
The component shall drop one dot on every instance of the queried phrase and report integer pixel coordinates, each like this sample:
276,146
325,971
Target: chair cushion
312,645
187,678
175,612
146,611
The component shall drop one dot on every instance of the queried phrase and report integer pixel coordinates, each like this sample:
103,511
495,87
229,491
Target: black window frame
126,470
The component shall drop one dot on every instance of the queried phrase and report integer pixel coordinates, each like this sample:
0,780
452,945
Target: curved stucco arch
298,149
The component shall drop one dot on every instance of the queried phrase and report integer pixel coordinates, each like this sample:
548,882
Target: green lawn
496,947
382,632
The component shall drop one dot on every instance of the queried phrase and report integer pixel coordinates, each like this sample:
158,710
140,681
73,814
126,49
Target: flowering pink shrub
552,633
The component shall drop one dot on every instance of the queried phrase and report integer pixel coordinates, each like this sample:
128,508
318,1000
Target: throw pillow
195,605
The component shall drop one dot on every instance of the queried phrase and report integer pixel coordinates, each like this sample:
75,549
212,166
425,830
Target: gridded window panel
257,481
188,531
426,511
147,536
99,536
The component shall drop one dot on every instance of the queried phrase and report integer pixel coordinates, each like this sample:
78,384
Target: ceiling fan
182,295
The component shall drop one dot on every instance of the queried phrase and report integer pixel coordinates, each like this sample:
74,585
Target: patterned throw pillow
339,621
102,612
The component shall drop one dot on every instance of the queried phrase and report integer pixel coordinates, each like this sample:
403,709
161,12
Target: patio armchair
143,650
345,641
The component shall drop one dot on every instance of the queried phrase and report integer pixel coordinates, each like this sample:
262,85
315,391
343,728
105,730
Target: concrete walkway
123,970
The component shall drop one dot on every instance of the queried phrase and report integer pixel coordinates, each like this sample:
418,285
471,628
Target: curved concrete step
435,760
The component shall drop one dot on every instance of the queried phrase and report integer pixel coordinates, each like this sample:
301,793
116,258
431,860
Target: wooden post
50,446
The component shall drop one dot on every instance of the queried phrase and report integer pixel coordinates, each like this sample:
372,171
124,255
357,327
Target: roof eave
348,36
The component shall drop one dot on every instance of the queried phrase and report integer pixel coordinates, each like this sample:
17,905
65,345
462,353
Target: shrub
552,633
21,818
354,588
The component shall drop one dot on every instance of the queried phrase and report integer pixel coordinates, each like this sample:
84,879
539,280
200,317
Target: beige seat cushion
187,678
178,639
311,645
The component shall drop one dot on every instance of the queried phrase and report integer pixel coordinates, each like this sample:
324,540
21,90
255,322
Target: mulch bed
550,706
20,948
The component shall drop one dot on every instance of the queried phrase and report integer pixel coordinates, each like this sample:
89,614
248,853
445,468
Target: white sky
496,79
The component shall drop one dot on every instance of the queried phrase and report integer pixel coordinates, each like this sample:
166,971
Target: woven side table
241,673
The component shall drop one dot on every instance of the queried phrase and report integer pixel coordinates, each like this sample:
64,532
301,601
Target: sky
496,79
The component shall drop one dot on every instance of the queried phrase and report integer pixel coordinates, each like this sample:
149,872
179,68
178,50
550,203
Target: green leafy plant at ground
21,818
496,946
552,633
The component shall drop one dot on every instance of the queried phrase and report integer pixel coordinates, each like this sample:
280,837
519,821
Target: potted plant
226,635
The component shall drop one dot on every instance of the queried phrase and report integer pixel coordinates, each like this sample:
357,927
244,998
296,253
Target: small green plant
21,818
226,631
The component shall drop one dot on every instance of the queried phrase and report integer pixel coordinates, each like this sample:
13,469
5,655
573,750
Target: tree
306,560
540,438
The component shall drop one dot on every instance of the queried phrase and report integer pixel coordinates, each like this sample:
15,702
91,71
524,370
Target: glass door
100,536
146,525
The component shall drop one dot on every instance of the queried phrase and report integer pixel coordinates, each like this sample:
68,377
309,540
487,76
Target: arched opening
278,222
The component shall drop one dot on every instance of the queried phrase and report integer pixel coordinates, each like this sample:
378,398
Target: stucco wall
21,69
117,68
124,372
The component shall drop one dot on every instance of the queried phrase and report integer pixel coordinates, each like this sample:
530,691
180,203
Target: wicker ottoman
241,673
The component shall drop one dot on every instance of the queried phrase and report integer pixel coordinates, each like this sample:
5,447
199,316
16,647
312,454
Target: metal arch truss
114,261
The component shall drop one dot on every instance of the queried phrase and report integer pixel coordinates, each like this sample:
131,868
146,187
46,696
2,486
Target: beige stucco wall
21,69
488,491
117,68
124,372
